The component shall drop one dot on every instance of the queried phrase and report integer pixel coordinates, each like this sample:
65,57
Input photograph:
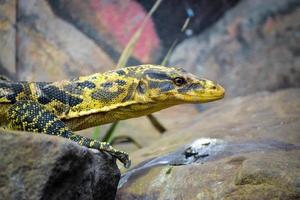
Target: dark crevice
171,15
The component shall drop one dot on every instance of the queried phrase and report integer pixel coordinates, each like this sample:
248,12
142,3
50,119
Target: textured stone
37,166
254,47
52,49
171,16
7,38
257,158
111,24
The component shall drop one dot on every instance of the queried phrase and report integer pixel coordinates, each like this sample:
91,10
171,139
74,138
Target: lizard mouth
213,98
202,98
213,94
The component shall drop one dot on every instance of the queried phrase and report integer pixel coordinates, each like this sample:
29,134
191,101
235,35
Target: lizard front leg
34,117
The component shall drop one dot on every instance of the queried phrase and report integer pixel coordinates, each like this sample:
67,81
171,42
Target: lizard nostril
214,87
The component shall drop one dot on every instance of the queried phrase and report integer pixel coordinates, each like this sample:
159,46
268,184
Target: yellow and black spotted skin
59,108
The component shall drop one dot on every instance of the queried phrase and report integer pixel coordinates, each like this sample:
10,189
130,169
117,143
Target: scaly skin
58,108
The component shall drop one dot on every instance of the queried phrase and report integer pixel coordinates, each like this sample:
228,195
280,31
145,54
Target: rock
171,16
52,49
38,166
246,148
111,31
254,47
7,38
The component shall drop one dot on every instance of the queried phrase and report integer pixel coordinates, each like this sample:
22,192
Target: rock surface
37,166
254,47
7,38
251,151
171,16
111,31
52,49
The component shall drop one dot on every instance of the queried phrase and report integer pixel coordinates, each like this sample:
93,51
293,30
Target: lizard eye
179,81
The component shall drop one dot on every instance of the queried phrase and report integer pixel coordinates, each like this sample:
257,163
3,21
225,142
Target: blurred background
248,46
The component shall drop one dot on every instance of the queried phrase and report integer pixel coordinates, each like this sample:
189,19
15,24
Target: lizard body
59,108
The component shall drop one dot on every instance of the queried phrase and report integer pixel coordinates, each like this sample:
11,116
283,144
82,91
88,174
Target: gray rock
245,148
52,49
254,47
37,166
7,38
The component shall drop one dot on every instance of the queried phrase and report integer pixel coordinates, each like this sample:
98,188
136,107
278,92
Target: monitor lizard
59,108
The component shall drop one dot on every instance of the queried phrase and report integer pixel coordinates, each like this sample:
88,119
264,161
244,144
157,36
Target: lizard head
173,85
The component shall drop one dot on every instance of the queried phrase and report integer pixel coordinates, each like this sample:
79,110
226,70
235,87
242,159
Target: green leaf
109,134
96,133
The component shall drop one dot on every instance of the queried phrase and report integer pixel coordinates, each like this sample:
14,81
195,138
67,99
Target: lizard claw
124,158
127,164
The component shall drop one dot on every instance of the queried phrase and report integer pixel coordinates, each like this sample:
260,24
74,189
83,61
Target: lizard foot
120,155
